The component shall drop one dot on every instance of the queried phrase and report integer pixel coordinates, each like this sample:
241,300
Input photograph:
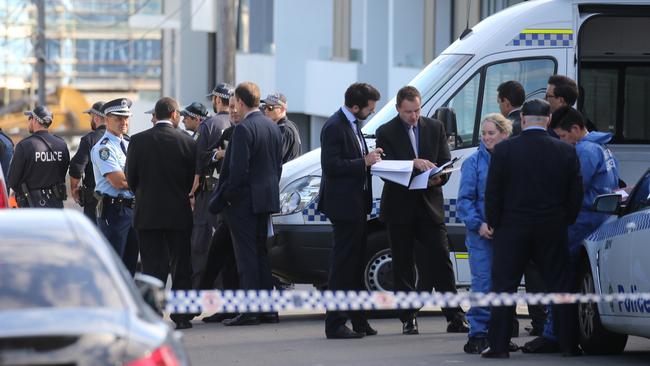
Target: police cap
536,107
222,90
96,109
275,98
150,111
41,115
195,110
118,107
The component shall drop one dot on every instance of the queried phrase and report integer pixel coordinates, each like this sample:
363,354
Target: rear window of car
41,274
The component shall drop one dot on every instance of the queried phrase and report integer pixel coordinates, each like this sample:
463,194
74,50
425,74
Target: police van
601,44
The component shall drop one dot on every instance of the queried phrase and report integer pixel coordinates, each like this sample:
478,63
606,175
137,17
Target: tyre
378,274
594,338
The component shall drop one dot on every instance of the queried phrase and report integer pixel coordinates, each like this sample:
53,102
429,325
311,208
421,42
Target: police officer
275,107
205,181
40,162
81,168
193,114
116,201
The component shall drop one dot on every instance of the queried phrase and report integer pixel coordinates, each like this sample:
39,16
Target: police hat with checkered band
96,109
41,115
195,110
222,90
118,107
274,99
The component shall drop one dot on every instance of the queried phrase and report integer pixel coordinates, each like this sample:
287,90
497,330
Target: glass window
407,46
256,26
636,112
42,274
533,75
464,104
641,197
600,92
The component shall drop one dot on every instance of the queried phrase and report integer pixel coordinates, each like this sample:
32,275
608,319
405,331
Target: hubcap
378,275
587,311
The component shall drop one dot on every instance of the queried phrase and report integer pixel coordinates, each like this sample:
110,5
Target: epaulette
104,141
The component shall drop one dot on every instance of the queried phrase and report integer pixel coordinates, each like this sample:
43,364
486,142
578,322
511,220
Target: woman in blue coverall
471,210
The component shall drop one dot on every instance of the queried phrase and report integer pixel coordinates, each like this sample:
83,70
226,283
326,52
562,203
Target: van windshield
428,82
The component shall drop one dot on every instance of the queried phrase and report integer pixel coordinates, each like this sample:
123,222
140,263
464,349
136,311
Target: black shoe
410,326
458,324
488,353
515,329
513,347
541,345
183,324
343,332
476,345
242,319
574,352
364,328
535,331
218,317
270,318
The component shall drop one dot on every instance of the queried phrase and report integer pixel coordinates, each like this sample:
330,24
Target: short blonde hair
503,124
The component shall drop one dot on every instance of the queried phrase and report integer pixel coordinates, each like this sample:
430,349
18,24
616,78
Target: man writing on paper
412,215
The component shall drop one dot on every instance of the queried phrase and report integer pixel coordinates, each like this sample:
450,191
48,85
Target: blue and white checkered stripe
542,39
311,213
254,301
620,226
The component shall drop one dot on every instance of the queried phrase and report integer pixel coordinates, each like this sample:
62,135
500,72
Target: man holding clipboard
418,215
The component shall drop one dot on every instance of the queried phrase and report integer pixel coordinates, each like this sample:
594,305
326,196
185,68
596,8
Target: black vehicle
66,299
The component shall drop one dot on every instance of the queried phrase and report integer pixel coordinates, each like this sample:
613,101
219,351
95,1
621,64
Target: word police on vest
48,156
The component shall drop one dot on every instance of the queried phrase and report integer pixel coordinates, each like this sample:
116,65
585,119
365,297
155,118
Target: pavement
299,339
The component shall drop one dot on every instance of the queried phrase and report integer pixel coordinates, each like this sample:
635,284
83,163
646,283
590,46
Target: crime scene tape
254,301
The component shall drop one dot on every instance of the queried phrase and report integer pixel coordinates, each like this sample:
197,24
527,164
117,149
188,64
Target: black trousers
514,247
535,284
435,269
221,260
346,268
164,252
90,206
204,225
249,232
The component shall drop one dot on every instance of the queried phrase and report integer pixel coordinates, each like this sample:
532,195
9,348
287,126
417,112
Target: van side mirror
608,203
448,117
152,291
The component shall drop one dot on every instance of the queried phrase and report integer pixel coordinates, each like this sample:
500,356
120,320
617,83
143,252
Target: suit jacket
252,167
346,187
160,166
398,203
533,178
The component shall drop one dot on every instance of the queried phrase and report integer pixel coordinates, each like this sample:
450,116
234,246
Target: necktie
357,132
413,143
123,146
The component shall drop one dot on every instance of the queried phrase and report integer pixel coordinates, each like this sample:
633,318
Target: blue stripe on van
542,40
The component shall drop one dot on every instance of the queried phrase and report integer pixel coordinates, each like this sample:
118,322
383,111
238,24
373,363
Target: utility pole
39,49
226,41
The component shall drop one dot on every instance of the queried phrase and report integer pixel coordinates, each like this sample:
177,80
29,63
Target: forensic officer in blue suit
471,210
40,162
115,199
599,176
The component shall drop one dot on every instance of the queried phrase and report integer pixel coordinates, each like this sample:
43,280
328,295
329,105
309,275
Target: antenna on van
467,30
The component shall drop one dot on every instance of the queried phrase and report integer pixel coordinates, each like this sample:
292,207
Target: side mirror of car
608,203
448,117
152,291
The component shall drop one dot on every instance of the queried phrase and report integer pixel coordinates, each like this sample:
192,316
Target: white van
604,45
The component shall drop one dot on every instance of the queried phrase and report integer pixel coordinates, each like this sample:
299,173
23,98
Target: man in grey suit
248,193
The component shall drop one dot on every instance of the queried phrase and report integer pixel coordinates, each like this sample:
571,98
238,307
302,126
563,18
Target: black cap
96,109
41,115
118,107
195,110
536,107
222,90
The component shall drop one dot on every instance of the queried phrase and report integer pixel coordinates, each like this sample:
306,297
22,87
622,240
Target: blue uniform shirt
107,157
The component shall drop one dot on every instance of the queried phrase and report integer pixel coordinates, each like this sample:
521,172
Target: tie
413,143
360,138
123,146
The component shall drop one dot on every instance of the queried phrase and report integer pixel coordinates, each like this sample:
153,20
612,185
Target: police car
614,259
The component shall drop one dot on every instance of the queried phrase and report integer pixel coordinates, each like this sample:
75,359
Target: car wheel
594,338
378,274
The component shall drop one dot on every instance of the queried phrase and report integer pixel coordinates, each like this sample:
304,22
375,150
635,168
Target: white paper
393,166
440,169
420,181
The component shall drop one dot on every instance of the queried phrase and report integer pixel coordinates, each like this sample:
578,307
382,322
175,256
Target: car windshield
42,274
428,82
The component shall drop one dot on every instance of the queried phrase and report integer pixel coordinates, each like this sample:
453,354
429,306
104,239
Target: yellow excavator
66,104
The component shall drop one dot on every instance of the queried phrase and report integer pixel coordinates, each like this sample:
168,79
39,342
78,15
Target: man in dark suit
248,193
346,198
510,97
160,170
533,192
412,215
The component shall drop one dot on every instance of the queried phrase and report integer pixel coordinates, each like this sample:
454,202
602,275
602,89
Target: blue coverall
470,208
599,171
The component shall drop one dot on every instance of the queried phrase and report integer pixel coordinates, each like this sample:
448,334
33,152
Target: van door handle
630,226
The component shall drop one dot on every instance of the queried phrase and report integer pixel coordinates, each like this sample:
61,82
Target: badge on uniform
104,153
